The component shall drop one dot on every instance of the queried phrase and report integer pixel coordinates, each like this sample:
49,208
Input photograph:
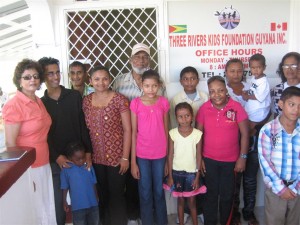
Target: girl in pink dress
149,118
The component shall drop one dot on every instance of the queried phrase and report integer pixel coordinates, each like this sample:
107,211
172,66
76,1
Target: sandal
236,219
253,221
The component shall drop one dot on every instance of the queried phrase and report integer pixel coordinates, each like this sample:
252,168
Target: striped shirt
278,154
126,85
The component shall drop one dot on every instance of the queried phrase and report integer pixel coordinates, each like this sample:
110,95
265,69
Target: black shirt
68,122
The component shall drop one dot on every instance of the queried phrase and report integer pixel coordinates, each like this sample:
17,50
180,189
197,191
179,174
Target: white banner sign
206,34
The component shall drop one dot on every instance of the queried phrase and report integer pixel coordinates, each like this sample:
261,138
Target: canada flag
278,26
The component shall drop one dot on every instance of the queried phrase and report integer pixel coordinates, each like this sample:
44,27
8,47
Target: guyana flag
177,28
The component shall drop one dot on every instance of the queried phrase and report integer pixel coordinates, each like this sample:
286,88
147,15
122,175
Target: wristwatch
244,156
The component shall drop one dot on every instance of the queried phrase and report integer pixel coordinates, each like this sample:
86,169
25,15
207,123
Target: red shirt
35,124
221,130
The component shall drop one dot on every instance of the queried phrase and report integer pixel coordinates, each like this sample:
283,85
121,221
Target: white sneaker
133,222
201,217
185,217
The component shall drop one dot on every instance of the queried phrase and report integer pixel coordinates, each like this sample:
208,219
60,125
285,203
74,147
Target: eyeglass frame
290,66
29,77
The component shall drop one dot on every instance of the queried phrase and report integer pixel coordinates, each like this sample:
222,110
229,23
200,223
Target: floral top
276,93
106,130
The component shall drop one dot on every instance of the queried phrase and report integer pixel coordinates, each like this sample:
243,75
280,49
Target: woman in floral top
107,116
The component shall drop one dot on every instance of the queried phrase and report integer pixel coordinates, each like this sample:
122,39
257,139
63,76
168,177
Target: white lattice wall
106,37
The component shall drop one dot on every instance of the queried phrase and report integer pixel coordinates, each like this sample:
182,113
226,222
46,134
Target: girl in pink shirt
149,118
224,124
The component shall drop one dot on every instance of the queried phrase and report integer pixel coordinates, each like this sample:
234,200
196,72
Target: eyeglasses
140,58
51,74
290,66
28,77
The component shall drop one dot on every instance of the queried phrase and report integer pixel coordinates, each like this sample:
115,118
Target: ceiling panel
15,28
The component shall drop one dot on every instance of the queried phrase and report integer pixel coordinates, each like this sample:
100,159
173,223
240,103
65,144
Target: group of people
114,150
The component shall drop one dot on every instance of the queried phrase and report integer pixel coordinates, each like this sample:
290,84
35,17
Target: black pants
111,190
249,180
132,197
219,179
58,195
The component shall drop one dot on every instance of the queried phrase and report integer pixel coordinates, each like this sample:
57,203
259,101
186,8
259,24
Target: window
106,37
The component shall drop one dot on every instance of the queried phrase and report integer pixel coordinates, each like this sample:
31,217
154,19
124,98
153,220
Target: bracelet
244,156
124,159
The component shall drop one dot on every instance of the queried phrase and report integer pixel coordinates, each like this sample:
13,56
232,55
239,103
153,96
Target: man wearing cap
130,85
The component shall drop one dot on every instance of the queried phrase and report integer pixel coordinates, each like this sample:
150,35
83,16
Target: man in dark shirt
68,125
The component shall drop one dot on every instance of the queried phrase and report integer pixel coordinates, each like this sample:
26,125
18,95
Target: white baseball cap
140,47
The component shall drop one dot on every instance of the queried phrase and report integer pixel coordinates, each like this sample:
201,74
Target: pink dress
151,136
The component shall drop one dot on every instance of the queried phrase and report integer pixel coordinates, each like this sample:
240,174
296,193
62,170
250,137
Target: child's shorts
183,182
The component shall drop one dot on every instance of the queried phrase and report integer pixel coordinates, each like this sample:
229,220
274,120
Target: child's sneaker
201,217
133,222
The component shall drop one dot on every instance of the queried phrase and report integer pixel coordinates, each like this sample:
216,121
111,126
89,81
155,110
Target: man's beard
139,71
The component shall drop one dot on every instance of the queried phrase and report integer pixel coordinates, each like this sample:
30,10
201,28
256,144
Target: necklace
101,100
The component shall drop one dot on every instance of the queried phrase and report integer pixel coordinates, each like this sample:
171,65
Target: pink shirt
151,137
35,124
221,130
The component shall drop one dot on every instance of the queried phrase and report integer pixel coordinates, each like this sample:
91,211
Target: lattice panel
106,37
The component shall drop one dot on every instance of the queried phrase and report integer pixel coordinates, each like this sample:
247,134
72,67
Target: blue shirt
80,182
279,156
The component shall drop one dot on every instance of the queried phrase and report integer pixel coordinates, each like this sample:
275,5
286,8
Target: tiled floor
259,212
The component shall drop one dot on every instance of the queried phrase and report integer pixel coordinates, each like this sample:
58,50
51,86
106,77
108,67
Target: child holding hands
149,118
184,159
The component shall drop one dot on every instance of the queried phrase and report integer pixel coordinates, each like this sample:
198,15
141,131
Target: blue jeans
88,216
151,190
